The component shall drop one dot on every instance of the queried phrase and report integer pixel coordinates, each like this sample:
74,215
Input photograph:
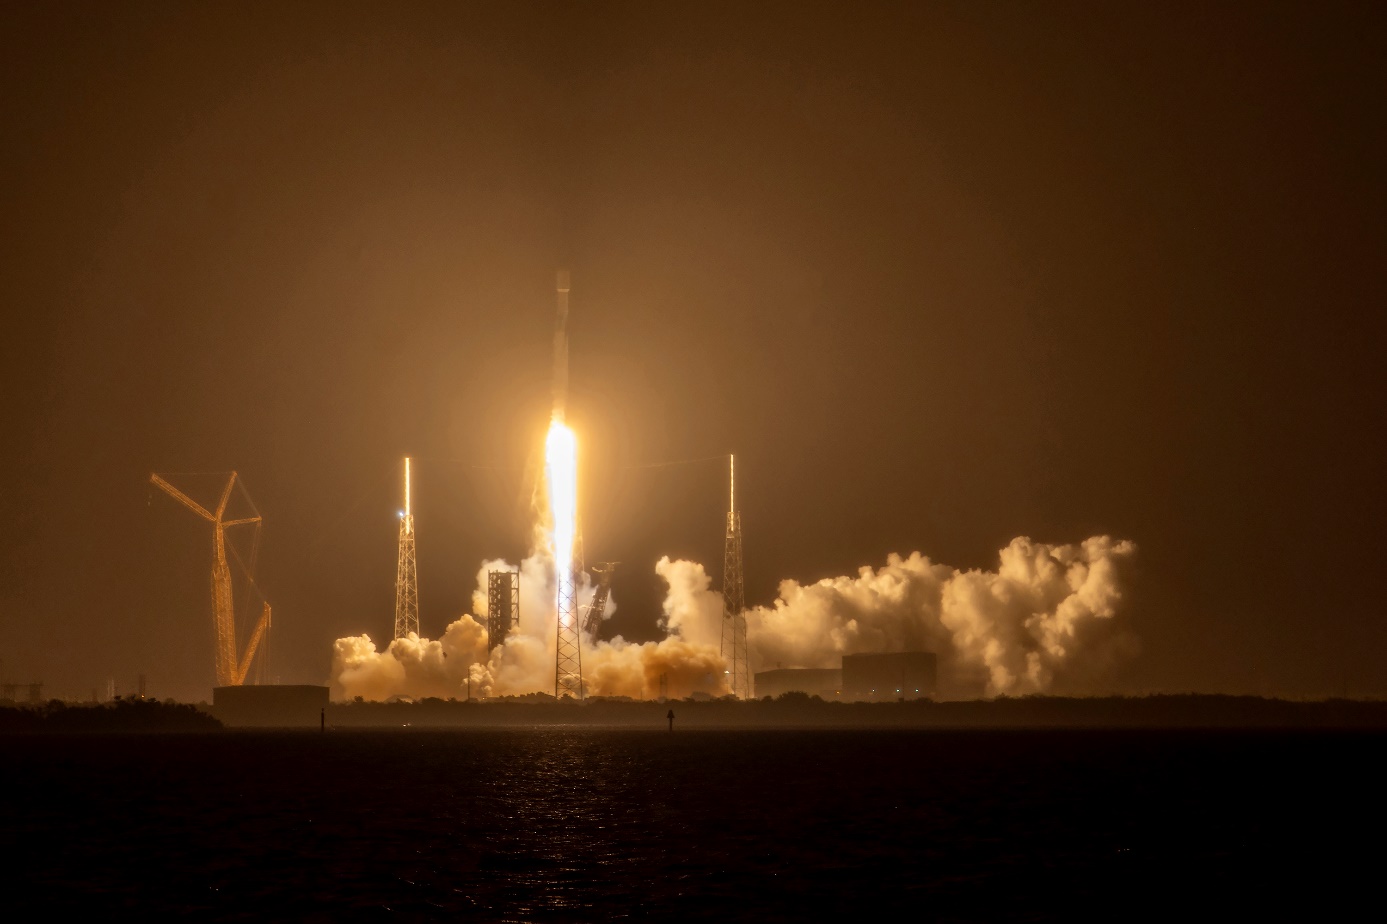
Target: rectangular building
270,706
890,676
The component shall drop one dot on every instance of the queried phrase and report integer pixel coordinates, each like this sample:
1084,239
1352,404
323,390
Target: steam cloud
1046,613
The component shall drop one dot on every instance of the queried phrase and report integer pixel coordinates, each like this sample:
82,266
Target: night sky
939,274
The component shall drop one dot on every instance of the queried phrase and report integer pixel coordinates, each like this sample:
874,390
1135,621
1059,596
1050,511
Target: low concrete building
270,706
890,676
822,682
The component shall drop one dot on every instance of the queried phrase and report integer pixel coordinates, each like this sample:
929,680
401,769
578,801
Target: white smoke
1046,610
1009,631
458,664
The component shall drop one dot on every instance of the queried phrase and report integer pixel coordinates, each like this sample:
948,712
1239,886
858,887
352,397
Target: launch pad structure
406,572
568,656
561,460
592,614
734,599
502,606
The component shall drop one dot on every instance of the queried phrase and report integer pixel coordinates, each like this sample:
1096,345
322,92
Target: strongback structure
406,572
734,600
592,617
502,605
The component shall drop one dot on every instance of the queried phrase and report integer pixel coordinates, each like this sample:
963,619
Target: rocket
561,347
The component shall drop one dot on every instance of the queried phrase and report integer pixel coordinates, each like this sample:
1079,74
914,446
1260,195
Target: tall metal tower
406,572
568,661
733,598
568,647
502,605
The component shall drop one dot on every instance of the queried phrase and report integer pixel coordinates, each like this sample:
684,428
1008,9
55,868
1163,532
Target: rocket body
561,347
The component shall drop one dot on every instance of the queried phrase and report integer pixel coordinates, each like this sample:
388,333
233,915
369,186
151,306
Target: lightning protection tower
568,660
406,572
733,598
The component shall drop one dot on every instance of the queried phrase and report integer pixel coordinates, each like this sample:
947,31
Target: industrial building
890,676
821,682
269,706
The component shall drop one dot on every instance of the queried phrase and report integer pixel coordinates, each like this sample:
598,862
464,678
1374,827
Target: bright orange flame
561,472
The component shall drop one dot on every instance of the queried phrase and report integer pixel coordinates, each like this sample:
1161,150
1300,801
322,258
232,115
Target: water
563,823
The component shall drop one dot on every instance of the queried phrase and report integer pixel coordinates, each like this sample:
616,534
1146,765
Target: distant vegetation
129,715
792,710
802,710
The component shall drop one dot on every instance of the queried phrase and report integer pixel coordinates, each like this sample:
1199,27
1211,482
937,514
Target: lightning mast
231,671
406,573
561,455
733,597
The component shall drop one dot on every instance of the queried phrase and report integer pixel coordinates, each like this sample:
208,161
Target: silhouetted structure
889,675
8,692
272,705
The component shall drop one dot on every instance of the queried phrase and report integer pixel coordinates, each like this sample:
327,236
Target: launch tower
733,598
568,661
502,605
406,572
562,463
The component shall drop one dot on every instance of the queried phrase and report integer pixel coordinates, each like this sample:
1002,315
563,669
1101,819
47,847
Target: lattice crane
231,670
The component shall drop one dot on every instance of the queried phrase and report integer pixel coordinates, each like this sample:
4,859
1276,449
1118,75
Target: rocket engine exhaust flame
561,479
561,455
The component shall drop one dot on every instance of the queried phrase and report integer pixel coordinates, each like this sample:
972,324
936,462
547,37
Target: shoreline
1157,712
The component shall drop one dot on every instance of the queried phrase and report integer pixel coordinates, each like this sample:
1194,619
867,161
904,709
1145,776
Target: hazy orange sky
940,274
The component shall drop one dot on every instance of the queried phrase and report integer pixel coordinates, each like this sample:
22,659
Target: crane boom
230,670
252,645
182,498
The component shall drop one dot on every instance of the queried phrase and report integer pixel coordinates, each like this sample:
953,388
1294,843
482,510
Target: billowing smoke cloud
1008,631
687,659
1047,610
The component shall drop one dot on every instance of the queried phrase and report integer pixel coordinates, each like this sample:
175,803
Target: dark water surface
591,824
